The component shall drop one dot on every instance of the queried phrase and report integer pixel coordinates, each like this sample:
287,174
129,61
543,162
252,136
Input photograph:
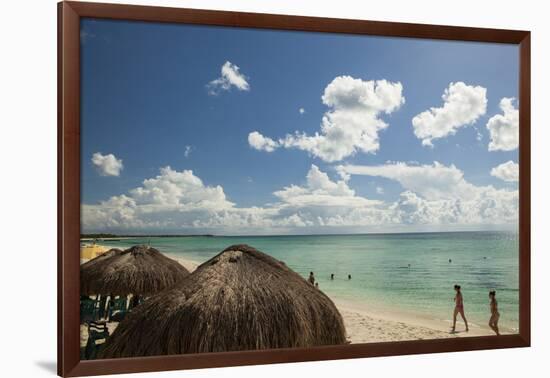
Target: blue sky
146,99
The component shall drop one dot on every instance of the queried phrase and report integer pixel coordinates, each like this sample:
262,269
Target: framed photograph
239,188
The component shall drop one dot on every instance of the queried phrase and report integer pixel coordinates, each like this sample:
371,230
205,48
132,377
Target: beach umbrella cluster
241,299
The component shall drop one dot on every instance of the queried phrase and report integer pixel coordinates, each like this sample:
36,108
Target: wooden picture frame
69,15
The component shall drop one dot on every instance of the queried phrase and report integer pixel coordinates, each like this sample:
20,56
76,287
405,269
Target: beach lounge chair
135,301
118,308
102,304
88,310
97,331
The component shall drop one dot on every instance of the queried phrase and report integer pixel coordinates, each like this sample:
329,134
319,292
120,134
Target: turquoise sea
379,266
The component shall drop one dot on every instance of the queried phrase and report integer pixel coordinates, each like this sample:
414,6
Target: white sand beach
367,326
187,264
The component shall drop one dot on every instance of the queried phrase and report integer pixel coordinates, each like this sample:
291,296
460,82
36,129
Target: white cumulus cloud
182,189
439,194
504,128
171,199
261,143
508,171
107,165
433,181
321,191
352,122
179,201
301,110
462,106
230,77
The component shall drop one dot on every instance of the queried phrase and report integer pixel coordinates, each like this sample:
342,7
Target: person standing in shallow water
349,276
495,315
332,276
459,308
311,278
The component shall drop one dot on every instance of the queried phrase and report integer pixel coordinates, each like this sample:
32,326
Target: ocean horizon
87,236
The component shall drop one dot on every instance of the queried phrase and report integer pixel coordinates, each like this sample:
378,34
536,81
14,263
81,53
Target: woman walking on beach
311,278
459,308
495,315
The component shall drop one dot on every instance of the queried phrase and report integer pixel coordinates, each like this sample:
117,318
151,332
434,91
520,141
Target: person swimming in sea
332,276
349,276
495,315
311,278
459,308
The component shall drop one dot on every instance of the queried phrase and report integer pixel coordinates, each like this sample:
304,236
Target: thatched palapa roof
139,270
241,299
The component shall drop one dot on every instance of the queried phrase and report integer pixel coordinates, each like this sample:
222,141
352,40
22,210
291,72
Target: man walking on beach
311,278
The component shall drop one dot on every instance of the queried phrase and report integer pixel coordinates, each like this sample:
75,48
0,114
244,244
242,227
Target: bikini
459,306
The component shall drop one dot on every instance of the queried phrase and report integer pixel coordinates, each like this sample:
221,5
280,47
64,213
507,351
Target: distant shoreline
114,236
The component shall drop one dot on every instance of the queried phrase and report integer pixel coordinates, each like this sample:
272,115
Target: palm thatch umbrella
139,270
241,299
